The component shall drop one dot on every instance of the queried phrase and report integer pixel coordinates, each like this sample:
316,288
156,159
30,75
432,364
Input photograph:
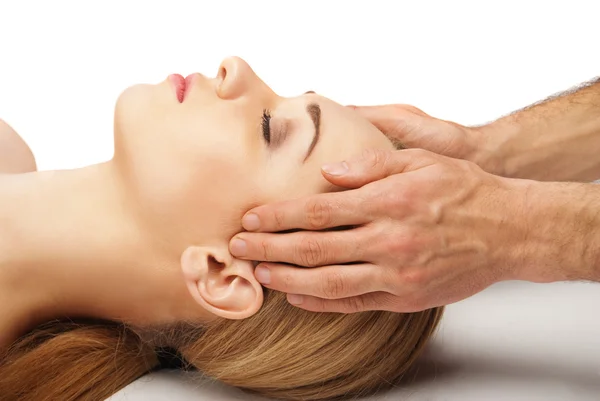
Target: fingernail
336,168
238,247
251,222
263,274
295,299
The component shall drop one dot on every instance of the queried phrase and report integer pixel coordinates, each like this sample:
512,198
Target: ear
220,283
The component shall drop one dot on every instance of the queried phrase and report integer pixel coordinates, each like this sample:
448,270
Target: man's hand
416,230
416,129
554,140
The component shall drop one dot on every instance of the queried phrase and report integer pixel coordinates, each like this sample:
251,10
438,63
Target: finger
328,282
411,127
316,212
366,302
378,112
396,121
303,248
383,112
376,164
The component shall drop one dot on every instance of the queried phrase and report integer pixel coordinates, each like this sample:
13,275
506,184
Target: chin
137,104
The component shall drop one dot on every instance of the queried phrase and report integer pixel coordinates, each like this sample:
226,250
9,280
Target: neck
69,247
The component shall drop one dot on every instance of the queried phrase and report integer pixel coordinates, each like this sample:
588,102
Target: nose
236,78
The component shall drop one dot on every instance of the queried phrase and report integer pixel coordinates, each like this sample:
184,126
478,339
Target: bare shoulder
15,155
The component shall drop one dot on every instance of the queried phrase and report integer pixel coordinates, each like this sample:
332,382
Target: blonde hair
287,353
282,352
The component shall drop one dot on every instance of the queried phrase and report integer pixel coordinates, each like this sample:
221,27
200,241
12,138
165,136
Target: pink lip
182,85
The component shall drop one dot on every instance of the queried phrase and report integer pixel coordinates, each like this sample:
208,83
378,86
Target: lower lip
180,85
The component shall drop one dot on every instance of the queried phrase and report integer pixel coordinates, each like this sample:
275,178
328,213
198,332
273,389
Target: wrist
562,241
493,146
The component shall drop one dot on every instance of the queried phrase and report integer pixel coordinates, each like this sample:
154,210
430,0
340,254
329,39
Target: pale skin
15,158
143,238
15,155
432,226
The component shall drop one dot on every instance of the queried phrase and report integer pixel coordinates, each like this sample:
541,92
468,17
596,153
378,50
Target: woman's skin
15,158
15,155
143,238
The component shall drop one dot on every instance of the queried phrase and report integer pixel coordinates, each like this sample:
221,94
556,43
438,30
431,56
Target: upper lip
188,84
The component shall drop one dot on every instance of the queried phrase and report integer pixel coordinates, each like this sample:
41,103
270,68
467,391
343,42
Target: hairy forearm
554,140
563,232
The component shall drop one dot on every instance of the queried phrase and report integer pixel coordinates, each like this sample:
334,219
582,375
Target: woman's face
194,167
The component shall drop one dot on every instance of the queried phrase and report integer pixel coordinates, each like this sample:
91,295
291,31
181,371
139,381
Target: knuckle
467,166
333,285
419,153
287,283
442,171
400,107
410,304
403,125
322,305
266,250
318,214
353,304
310,252
391,200
415,278
393,248
388,302
410,196
279,218
403,244
412,109
375,158
417,304
391,281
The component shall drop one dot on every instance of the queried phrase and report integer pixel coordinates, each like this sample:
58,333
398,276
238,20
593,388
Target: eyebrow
314,111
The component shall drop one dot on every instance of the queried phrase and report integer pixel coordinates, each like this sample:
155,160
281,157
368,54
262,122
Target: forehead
345,132
339,123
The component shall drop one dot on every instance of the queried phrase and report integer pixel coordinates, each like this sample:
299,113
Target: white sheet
515,341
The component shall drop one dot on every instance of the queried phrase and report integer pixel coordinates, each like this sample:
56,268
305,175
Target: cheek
218,194
200,180
291,181
198,202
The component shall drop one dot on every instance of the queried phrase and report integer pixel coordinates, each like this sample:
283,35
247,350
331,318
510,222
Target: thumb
396,121
376,164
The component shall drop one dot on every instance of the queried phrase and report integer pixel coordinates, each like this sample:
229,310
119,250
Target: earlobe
221,284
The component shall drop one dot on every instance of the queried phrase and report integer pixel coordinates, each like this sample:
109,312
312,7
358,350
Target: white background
64,63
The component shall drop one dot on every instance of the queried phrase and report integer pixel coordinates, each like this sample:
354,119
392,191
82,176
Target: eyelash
266,125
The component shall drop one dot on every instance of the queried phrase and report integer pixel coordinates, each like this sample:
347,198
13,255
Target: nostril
222,73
